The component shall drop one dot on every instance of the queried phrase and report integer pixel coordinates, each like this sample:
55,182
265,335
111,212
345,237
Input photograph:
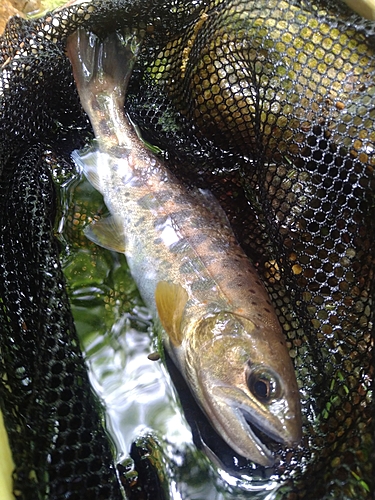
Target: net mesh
270,104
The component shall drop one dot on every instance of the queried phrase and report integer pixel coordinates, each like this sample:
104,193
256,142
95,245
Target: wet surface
142,403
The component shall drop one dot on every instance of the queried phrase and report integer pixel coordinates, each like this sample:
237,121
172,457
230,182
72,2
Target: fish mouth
261,432
246,431
260,435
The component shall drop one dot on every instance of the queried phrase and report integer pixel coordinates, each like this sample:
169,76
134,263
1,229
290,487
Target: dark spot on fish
251,290
160,221
198,223
104,127
117,152
200,238
202,284
148,201
157,241
137,182
266,309
182,215
140,221
165,265
163,196
193,266
186,268
180,246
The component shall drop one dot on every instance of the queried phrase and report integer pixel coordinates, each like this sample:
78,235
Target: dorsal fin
170,302
107,232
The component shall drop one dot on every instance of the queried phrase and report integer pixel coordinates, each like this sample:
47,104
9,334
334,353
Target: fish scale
218,323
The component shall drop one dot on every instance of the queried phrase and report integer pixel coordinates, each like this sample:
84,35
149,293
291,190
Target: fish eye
263,384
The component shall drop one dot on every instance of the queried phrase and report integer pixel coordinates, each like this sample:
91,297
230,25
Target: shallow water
116,334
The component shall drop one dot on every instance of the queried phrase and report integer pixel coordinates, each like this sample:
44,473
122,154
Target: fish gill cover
269,104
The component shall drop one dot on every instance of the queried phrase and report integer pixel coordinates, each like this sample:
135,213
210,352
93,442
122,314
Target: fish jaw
230,422
235,418
282,421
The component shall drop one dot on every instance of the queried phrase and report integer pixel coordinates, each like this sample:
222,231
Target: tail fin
102,70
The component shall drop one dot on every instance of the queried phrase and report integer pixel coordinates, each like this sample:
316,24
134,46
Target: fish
217,321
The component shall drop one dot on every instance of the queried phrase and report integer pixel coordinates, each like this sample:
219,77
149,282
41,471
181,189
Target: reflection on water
135,390
116,335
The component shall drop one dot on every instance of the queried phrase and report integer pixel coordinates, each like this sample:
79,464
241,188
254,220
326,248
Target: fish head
246,384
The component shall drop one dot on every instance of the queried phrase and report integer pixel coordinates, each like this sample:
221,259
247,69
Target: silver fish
218,323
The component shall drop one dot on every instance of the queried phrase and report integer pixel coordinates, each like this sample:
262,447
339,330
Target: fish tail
102,69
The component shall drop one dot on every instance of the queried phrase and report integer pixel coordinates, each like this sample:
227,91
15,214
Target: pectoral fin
170,302
107,232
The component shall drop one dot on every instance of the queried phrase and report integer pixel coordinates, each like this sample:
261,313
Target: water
116,335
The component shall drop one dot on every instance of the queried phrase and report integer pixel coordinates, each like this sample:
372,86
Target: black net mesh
53,420
270,104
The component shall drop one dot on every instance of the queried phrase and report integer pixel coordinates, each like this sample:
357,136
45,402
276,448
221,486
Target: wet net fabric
52,417
270,104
